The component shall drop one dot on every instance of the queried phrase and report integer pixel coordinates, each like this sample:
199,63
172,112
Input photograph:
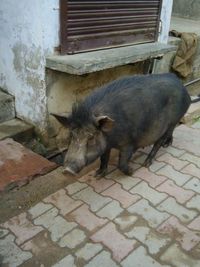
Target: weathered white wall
165,20
28,32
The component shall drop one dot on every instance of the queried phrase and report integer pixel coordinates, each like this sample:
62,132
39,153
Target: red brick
63,202
187,238
86,218
19,165
116,242
176,163
151,178
192,170
99,185
195,224
22,228
124,197
180,194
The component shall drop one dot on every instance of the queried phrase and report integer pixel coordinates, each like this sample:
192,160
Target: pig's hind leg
102,171
164,141
168,141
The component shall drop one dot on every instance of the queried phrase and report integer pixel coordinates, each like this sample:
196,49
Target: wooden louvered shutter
90,24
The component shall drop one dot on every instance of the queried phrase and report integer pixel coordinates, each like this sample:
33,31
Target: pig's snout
71,167
70,171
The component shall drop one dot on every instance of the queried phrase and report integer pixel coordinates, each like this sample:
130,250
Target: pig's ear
62,119
105,123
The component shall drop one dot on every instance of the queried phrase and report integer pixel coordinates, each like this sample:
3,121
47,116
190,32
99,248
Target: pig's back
146,92
142,107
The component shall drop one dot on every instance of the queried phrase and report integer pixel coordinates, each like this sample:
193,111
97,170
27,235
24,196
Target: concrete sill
83,63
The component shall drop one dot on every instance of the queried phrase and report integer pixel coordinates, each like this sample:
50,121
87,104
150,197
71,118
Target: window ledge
88,62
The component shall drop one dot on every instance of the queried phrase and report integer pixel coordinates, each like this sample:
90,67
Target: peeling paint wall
29,31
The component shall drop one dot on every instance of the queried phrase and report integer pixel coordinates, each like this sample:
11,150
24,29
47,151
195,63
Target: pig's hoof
101,173
128,171
168,142
147,163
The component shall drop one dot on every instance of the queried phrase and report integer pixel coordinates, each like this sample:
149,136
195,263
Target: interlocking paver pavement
187,238
149,219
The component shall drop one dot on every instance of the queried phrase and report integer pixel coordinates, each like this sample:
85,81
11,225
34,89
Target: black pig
126,114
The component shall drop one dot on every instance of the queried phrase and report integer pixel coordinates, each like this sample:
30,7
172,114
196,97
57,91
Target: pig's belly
151,135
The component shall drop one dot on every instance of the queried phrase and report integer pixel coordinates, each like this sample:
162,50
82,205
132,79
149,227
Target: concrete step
7,107
18,130
20,165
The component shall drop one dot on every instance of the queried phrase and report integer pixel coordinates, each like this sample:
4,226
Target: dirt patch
14,202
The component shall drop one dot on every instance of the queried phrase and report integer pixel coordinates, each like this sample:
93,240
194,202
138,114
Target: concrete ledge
83,63
19,130
7,107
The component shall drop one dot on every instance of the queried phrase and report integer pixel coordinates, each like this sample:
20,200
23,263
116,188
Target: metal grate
88,24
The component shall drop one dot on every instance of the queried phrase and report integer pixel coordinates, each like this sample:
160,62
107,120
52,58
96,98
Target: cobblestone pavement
151,219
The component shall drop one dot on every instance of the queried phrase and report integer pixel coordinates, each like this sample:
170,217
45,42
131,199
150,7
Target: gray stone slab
82,63
16,129
7,107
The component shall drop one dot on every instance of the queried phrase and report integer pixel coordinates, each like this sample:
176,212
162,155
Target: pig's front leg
102,171
124,157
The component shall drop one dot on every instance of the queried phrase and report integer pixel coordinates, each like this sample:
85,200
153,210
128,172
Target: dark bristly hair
82,111
80,115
